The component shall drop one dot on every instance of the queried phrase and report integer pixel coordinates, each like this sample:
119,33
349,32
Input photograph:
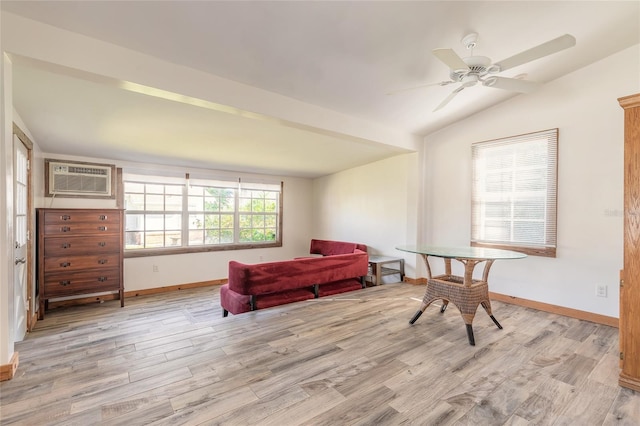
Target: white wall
375,204
584,107
6,215
197,267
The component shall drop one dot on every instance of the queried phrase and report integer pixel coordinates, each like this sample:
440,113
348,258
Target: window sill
199,249
531,251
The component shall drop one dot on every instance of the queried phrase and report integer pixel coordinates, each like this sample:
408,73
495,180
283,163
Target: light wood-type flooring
171,359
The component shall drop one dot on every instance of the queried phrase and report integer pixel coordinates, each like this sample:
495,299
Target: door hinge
621,283
621,356
28,164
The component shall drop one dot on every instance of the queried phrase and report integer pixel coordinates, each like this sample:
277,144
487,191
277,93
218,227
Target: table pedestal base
451,288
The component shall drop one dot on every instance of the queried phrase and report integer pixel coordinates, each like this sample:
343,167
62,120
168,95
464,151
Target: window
212,215
169,215
513,200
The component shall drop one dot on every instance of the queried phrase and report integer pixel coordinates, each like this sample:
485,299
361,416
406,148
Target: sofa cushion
240,303
337,287
283,297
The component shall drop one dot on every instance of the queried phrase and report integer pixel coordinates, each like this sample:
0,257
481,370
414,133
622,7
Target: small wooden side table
378,271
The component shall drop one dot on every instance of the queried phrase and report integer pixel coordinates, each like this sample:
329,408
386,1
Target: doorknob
23,260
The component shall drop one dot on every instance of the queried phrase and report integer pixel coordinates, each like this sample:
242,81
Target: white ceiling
342,56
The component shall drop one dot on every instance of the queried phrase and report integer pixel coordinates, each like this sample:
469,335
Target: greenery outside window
176,215
514,188
212,214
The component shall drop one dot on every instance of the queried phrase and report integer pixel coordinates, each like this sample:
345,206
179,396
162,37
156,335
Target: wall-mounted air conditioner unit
78,179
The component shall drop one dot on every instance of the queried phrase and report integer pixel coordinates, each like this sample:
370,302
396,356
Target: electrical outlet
601,290
155,268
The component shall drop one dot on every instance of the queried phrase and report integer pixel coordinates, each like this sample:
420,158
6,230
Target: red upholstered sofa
342,267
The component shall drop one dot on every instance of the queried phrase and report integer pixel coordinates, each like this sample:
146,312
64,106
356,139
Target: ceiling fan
472,70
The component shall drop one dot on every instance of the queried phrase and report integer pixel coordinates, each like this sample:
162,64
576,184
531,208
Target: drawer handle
102,243
65,217
102,228
65,264
65,228
102,261
65,283
102,279
103,217
66,245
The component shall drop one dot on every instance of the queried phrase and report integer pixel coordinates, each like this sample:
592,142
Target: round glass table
463,291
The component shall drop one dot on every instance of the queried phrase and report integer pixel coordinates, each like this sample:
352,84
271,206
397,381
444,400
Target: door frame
32,315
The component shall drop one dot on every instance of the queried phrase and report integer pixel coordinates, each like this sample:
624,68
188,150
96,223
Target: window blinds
514,188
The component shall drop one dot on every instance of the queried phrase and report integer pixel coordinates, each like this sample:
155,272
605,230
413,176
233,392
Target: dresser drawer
80,263
74,222
72,246
81,228
65,284
72,217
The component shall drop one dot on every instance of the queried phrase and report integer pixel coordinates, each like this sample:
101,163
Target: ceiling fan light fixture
469,80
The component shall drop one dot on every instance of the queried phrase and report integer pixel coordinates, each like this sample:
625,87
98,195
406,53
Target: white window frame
507,211
182,243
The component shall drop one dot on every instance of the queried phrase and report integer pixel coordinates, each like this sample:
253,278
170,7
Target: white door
20,221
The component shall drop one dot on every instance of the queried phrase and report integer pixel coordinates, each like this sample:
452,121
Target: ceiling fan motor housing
479,66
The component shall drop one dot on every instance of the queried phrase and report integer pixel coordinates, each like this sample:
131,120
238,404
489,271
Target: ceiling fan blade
512,84
448,98
442,83
548,48
450,59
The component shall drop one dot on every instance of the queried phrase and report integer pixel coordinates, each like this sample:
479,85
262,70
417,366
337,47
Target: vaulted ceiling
342,57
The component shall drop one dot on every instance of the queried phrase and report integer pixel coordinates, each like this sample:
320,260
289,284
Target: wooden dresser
80,251
630,276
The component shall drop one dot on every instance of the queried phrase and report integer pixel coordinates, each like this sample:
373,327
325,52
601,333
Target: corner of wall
6,213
